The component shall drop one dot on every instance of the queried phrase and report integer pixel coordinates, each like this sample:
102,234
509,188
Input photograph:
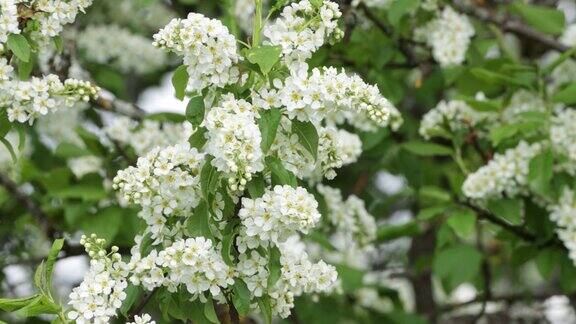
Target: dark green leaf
307,136
195,110
279,174
209,178
197,140
268,124
241,297
508,209
274,266
199,223
541,172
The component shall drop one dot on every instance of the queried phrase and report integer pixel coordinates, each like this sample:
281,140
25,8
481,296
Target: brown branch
114,106
509,25
143,302
510,298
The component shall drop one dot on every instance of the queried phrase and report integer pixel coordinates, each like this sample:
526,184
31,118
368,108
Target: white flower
209,50
453,115
449,36
84,165
143,319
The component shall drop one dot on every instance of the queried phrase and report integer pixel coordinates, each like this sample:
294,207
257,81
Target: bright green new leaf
545,19
265,56
18,44
566,95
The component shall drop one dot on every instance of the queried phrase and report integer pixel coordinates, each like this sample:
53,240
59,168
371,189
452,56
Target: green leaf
92,142
268,124
58,43
352,278
39,305
5,124
18,44
547,260
67,150
195,110
227,245
25,69
105,223
52,257
180,81
507,209
398,9
10,149
241,297
545,19
457,264
265,308
133,294
256,186
197,140
196,311
86,192
317,3
431,212
10,305
541,172
280,175
499,78
146,244
265,56
274,266
566,95
391,232
463,222
426,149
209,178
199,223
209,311
307,136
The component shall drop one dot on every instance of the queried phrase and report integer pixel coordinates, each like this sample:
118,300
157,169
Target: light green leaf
265,308
541,172
545,19
398,9
265,56
18,44
457,264
463,222
105,223
507,209
566,95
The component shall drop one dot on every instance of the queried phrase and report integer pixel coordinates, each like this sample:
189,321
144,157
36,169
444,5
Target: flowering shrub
382,161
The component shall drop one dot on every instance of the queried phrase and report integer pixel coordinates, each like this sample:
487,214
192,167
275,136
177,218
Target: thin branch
518,231
143,302
116,106
509,25
510,298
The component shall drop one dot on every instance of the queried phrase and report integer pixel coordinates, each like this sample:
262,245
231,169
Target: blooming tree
291,188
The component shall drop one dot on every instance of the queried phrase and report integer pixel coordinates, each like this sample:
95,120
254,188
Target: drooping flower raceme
336,96
101,293
120,48
234,141
147,135
452,115
449,36
165,183
8,21
506,173
27,100
302,29
209,50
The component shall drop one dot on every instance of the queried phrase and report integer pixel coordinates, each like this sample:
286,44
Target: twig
115,106
510,298
512,26
138,309
234,317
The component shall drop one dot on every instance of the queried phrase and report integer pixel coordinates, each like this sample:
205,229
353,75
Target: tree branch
138,309
512,26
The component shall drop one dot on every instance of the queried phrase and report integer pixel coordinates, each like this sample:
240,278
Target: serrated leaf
307,136
12,304
19,45
180,81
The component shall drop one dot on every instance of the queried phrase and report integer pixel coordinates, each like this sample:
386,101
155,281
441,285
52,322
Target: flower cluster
165,183
563,135
328,93
303,28
277,215
452,115
568,38
336,148
562,214
298,275
128,52
209,50
27,100
505,173
192,262
101,292
449,36
143,319
84,165
147,135
8,21
349,216
234,140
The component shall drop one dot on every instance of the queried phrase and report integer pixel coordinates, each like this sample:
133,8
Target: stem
145,299
257,24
